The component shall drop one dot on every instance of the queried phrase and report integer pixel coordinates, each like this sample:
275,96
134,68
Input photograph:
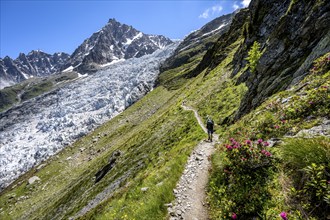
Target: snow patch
220,27
129,41
82,75
26,76
113,62
70,68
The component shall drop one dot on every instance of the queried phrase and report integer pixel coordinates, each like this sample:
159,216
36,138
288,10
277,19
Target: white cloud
235,6
245,3
205,14
216,9
211,11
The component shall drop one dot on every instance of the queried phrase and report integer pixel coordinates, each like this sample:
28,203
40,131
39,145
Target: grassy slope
155,137
302,107
31,88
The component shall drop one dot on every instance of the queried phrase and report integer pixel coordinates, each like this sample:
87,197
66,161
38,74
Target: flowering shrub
238,183
243,181
248,155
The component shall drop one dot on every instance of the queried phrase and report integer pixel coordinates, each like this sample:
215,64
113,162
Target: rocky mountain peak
35,63
114,42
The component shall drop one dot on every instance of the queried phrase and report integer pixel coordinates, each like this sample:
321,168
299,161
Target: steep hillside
33,87
262,97
191,50
291,34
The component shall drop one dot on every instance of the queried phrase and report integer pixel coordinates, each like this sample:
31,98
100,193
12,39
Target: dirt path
190,191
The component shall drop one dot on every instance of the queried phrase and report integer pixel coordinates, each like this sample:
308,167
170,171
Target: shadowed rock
112,161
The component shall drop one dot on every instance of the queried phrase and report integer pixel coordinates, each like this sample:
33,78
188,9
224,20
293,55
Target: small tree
253,56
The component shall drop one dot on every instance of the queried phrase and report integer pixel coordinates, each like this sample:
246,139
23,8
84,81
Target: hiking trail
190,192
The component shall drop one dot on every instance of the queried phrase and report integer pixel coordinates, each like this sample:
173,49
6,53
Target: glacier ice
41,127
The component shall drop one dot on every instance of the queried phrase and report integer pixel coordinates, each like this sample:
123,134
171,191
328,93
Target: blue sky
61,26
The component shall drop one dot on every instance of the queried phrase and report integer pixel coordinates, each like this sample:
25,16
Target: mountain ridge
114,42
35,64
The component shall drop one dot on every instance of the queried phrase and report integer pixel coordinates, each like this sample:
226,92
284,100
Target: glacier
39,128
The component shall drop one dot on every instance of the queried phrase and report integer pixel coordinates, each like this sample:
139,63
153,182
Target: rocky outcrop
111,163
291,38
9,73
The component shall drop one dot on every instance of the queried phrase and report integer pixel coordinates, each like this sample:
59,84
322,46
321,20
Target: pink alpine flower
229,147
283,215
266,153
260,141
265,143
248,142
234,216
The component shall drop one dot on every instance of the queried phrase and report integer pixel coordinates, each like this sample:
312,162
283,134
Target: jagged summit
35,63
114,42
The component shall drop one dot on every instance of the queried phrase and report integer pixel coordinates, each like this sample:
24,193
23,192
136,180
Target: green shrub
307,161
253,56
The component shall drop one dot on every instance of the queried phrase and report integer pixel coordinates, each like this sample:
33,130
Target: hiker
209,126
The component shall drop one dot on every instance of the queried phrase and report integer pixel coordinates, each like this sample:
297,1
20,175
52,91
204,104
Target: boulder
33,179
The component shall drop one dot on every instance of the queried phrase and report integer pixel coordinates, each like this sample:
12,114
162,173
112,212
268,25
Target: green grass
301,152
306,163
299,178
155,137
36,90
7,98
31,88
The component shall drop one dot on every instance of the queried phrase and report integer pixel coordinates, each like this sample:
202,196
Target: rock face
290,40
217,53
114,42
291,33
35,64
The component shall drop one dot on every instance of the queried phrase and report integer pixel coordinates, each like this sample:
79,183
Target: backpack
209,123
